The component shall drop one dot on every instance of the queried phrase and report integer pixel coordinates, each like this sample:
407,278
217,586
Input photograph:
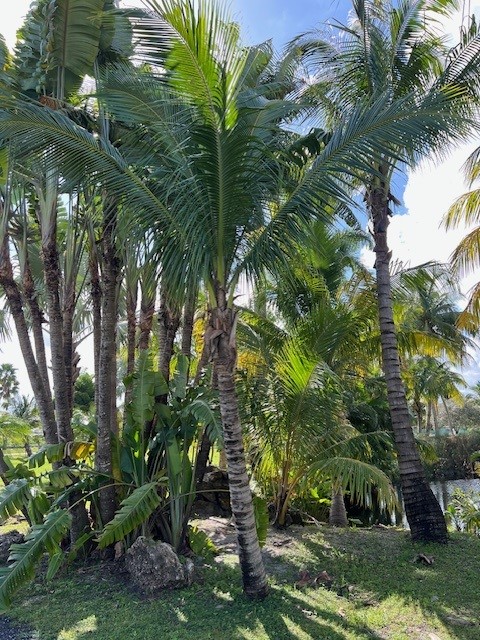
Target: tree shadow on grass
212,609
381,564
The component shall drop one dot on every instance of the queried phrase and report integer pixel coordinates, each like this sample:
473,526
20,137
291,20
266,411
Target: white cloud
418,236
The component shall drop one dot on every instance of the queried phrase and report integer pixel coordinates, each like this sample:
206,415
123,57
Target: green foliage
453,456
463,511
14,497
201,544
260,508
134,511
58,452
84,392
23,557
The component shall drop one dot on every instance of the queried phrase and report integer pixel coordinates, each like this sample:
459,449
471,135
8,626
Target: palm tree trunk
68,347
436,425
96,296
131,339
338,514
168,323
55,320
422,510
43,399
429,418
188,321
147,309
37,321
107,362
251,563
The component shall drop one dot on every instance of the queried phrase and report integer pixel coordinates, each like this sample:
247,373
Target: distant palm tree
8,385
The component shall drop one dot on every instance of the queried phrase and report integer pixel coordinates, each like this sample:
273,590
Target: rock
154,566
7,539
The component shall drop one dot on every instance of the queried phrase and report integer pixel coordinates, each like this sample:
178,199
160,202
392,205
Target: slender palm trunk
37,321
338,514
436,424
96,296
68,347
62,366
107,361
43,399
428,427
55,320
188,321
168,323
147,309
131,339
224,355
422,510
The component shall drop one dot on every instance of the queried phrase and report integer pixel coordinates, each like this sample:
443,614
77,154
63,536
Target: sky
415,236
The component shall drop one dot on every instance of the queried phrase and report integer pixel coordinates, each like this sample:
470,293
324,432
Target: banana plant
155,476
161,468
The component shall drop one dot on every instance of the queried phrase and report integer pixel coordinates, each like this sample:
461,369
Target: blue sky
284,19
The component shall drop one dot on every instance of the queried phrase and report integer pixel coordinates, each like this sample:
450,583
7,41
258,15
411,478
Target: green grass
385,596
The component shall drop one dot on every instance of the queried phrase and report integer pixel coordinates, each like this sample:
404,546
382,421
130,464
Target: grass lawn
383,595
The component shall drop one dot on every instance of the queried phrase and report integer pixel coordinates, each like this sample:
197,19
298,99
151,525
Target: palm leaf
359,478
14,497
76,34
134,511
24,557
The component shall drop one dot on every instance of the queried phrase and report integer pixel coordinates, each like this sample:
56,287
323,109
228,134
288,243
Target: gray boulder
154,566
7,539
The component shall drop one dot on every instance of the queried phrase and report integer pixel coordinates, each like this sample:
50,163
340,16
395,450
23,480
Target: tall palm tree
466,257
396,51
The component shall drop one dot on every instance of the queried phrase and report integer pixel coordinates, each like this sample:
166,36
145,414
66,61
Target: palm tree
466,257
8,385
397,52
293,404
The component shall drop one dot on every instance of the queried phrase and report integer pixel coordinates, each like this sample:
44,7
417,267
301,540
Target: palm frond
359,478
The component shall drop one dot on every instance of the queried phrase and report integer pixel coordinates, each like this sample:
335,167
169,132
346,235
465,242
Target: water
443,490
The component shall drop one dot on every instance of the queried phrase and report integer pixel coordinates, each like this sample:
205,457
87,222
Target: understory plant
154,476
463,511
299,435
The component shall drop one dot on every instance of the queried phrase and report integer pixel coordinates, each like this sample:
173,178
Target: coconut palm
395,52
466,257
293,404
